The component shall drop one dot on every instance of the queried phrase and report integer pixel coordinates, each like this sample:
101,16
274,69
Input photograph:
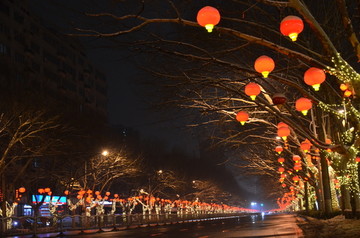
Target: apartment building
38,58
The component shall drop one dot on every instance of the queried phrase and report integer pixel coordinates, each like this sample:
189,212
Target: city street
280,225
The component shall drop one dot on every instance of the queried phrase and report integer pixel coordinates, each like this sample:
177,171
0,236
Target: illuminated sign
54,199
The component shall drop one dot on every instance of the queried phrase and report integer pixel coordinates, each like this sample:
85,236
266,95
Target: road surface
278,225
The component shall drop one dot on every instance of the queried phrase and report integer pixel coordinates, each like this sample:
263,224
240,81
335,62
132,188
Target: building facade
38,58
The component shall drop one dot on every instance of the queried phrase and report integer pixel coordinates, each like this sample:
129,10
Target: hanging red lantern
328,141
357,159
296,158
283,185
283,132
279,98
46,190
347,93
264,65
297,168
303,105
296,179
282,124
66,192
344,86
314,77
79,196
208,17
305,145
281,160
252,90
283,176
98,197
291,26
281,170
279,149
107,193
22,190
242,117
97,192
116,195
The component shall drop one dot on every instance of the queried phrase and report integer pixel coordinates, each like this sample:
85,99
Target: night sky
126,104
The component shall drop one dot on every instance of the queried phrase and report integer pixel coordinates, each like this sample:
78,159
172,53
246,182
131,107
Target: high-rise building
35,57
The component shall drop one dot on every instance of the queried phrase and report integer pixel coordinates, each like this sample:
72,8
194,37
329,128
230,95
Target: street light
105,153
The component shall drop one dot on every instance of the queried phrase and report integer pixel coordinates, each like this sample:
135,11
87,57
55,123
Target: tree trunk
306,197
326,185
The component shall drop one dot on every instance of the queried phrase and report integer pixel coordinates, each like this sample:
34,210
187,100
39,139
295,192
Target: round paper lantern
208,17
283,176
297,168
281,170
314,77
283,185
347,93
283,132
107,193
357,159
291,26
106,198
46,190
303,105
98,197
22,190
296,158
296,179
281,160
279,149
79,196
344,86
242,117
282,124
279,98
66,192
89,191
305,145
264,65
252,90
116,195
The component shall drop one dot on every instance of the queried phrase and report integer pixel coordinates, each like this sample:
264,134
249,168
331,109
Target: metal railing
77,224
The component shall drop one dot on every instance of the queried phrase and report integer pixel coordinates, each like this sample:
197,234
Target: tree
210,71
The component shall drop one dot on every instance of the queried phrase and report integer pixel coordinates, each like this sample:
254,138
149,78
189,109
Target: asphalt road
279,225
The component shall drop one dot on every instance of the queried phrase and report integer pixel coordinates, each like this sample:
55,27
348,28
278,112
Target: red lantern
107,193
208,17
283,132
98,197
291,26
242,117
305,145
347,93
297,168
252,90
279,98
116,195
281,170
314,77
283,176
106,198
264,65
66,192
281,160
303,105
296,158
279,149
79,196
343,86
357,159
296,179
283,185
89,191
46,190
22,190
41,190
97,193
282,124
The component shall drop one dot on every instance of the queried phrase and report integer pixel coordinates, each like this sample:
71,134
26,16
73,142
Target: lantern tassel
209,27
253,97
265,74
316,87
304,112
293,36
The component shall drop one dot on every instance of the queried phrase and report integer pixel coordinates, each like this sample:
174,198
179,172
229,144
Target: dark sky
126,105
